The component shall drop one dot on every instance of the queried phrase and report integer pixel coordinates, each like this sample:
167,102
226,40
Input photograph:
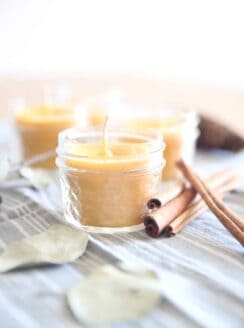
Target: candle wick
107,151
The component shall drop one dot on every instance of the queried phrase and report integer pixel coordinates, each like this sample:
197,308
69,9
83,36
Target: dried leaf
112,295
39,178
59,244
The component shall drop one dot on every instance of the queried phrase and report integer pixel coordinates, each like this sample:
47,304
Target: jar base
108,230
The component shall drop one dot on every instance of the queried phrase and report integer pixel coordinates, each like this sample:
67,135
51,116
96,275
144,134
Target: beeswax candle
105,184
179,132
38,130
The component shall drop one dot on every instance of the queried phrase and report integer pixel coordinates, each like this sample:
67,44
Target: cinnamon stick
156,220
225,209
197,209
163,197
222,213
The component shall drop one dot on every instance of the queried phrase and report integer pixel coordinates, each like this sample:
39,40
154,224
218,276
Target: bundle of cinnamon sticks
170,211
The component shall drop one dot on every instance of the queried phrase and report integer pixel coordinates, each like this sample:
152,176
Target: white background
184,39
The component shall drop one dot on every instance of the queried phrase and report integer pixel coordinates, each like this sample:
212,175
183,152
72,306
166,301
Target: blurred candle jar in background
178,127
105,185
99,106
38,126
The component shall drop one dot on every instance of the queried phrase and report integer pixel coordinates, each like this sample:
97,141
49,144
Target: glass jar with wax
107,178
37,128
178,127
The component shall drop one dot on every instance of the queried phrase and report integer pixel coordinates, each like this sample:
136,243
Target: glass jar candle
37,130
179,129
106,191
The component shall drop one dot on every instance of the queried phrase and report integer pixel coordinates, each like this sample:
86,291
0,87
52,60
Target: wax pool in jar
179,131
38,130
106,187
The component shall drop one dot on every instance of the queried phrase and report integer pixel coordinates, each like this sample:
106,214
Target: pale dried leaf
134,267
110,295
39,178
59,244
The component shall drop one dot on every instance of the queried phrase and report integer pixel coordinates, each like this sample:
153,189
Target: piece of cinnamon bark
162,198
156,221
197,208
214,134
231,222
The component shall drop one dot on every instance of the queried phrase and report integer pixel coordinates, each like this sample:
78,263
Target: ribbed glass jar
108,193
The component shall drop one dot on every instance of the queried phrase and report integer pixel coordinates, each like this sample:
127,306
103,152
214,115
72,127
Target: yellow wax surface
109,190
38,130
123,156
43,115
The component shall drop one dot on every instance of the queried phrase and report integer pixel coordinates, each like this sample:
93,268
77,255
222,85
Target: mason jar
104,193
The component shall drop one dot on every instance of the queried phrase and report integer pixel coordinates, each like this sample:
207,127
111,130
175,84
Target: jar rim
75,136
186,115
